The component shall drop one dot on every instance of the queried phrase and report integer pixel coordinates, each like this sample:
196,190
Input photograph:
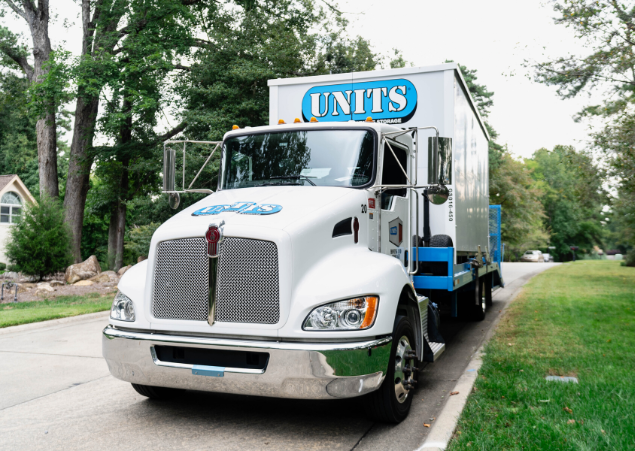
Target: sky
494,37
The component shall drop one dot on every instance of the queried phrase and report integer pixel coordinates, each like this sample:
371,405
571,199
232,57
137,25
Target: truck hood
296,203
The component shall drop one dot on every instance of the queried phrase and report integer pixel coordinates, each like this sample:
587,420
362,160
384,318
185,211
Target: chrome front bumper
294,370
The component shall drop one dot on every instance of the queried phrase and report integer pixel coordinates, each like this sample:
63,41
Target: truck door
394,231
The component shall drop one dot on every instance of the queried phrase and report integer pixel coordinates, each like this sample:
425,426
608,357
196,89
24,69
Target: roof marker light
281,122
369,119
235,127
313,119
297,120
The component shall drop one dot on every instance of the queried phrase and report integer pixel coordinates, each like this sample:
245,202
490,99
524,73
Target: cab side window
392,173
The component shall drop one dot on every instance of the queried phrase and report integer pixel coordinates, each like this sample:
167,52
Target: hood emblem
242,208
214,237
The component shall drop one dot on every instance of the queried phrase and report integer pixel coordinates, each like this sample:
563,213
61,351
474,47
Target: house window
10,208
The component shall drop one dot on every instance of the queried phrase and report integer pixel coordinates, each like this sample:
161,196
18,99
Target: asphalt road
56,393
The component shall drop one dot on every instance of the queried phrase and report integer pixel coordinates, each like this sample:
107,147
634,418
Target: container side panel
472,177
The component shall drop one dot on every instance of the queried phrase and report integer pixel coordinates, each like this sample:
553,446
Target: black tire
158,393
478,310
383,404
441,241
487,287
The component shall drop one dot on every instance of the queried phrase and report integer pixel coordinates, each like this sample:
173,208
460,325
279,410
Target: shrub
629,258
40,242
3,266
138,242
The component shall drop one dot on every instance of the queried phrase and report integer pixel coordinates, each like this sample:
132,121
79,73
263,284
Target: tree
608,30
572,197
40,241
37,18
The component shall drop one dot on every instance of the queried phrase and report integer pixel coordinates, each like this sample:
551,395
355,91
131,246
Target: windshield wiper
278,184
295,176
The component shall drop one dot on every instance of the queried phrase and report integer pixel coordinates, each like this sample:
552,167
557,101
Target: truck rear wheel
391,403
157,392
479,303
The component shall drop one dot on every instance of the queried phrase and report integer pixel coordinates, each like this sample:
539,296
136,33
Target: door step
433,351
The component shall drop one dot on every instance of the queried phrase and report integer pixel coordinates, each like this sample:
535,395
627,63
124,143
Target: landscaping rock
56,283
10,275
123,270
84,283
22,287
113,275
141,258
45,286
99,278
82,271
110,284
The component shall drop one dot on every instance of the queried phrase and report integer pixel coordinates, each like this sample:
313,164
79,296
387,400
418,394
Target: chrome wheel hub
404,369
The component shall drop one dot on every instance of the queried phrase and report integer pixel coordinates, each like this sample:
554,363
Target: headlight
122,308
352,314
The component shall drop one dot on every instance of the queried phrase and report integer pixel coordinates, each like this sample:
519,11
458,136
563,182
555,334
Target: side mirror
174,200
437,194
169,169
439,161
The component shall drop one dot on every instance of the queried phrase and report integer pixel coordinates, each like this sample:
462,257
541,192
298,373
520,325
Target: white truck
319,266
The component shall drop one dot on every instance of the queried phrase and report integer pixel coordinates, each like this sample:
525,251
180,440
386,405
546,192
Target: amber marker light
297,120
281,122
371,311
369,119
235,127
313,119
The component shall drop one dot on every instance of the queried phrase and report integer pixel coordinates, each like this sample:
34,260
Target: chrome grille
248,288
181,280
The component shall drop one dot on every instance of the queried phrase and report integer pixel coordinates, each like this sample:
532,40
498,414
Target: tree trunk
47,156
38,20
121,230
112,236
79,169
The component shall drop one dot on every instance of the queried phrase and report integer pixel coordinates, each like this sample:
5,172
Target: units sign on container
389,101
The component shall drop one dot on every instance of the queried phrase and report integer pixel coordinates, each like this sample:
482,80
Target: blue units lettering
245,208
393,230
390,101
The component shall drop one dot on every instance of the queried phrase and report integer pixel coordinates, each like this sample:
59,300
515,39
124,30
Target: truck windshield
299,157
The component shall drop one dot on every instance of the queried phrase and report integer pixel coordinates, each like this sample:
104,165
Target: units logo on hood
243,208
387,101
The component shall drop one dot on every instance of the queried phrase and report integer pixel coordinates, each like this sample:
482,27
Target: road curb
443,429
54,322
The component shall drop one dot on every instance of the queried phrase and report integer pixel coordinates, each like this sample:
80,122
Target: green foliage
3,266
572,197
53,89
139,237
40,241
629,259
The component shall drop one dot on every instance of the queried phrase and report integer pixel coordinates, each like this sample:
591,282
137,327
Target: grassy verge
574,320
29,312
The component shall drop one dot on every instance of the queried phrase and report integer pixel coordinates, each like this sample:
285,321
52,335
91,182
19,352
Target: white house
14,195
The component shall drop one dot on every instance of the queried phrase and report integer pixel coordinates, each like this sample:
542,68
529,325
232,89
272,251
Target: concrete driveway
56,393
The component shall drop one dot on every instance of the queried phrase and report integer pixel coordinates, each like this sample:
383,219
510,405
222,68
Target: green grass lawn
577,320
12,314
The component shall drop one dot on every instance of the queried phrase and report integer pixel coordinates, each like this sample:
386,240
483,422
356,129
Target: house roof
12,182
6,179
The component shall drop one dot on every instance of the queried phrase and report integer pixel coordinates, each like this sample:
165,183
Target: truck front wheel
391,403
